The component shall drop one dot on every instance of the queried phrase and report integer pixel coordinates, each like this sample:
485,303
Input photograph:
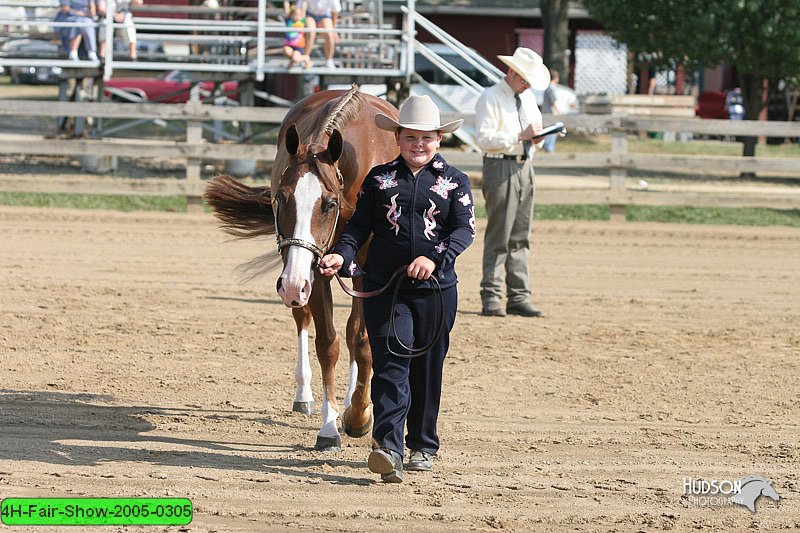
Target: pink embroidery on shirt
430,222
443,186
464,199
472,219
393,213
387,180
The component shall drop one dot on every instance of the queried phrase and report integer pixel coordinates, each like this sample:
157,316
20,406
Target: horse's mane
345,111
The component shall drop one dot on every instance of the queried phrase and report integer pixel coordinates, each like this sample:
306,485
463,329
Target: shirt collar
506,88
437,165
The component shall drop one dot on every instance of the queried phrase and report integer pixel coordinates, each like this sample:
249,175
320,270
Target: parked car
31,49
711,104
461,98
169,88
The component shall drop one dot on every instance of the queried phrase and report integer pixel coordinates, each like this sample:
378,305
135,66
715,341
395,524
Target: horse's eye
329,204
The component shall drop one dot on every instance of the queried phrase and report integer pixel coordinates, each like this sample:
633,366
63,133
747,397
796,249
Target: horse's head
306,207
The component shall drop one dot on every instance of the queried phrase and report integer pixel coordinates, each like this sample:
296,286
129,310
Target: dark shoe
388,464
493,311
420,461
523,309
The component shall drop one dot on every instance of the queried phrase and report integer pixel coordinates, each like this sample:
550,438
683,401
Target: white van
460,97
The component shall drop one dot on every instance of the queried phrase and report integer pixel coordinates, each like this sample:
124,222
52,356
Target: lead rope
395,279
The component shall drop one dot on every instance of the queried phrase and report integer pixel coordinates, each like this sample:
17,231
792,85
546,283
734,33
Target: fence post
618,174
194,136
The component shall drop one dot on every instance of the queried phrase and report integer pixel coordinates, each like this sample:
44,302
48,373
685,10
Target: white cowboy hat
530,66
417,113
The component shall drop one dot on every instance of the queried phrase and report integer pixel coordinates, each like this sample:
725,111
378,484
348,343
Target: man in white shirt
507,120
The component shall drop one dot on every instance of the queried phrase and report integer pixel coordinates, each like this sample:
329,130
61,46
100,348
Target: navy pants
407,391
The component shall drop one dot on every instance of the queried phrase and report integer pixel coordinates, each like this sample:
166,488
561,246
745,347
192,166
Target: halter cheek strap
318,252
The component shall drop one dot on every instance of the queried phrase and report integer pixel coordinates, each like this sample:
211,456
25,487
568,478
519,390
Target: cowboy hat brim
389,124
539,79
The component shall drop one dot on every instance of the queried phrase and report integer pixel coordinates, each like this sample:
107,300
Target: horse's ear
292,140
335,146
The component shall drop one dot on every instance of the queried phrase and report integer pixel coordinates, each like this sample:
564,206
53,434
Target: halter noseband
318,252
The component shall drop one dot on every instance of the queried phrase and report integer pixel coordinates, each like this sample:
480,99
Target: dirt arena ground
135,365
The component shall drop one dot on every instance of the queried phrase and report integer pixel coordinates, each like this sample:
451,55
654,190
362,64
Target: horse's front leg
327,344
357,417
303,396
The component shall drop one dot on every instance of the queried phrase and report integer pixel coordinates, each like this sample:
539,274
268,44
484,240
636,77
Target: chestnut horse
327,144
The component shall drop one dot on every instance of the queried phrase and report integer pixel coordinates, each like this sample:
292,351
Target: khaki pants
128,32
508,188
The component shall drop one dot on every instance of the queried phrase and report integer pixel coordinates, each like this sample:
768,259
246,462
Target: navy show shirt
431,214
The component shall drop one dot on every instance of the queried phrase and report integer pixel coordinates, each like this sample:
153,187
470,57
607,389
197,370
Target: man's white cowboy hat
417,113
530,66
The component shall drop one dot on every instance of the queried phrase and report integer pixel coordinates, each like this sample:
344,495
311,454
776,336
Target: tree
761,38
555,20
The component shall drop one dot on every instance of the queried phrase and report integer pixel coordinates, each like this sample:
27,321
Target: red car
169,88
711,104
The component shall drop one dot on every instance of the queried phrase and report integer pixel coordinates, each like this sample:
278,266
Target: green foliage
760,37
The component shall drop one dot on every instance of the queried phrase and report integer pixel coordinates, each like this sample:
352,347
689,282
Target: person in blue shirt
420,214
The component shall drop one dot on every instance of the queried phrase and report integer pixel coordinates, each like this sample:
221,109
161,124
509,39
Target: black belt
508,157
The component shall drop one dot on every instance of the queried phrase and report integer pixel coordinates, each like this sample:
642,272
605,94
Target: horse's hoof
306,408
328,444
355,432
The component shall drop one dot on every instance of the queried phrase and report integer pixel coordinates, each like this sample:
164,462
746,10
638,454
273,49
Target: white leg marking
302,372
351,384
329,417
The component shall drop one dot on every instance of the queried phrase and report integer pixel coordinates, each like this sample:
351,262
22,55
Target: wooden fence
615,163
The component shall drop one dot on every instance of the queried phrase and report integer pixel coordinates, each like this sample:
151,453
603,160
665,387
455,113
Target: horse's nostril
295,303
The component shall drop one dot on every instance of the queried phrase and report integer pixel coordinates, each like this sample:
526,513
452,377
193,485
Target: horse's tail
245,212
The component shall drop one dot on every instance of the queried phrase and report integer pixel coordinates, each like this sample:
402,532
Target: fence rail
194,149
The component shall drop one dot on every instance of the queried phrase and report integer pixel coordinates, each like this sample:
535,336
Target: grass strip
117,202
633,213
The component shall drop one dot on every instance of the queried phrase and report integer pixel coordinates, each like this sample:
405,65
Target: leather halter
318,251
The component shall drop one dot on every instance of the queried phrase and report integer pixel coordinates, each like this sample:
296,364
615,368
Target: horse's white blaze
302,372
296,276
329,417
351,384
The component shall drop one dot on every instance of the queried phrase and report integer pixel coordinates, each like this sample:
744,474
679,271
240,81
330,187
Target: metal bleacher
244,41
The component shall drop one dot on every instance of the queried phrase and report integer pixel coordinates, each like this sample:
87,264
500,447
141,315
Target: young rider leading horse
420,213
327,145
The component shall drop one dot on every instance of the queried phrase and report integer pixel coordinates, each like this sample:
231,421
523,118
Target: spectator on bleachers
323,14
294,43
71,38
122,15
